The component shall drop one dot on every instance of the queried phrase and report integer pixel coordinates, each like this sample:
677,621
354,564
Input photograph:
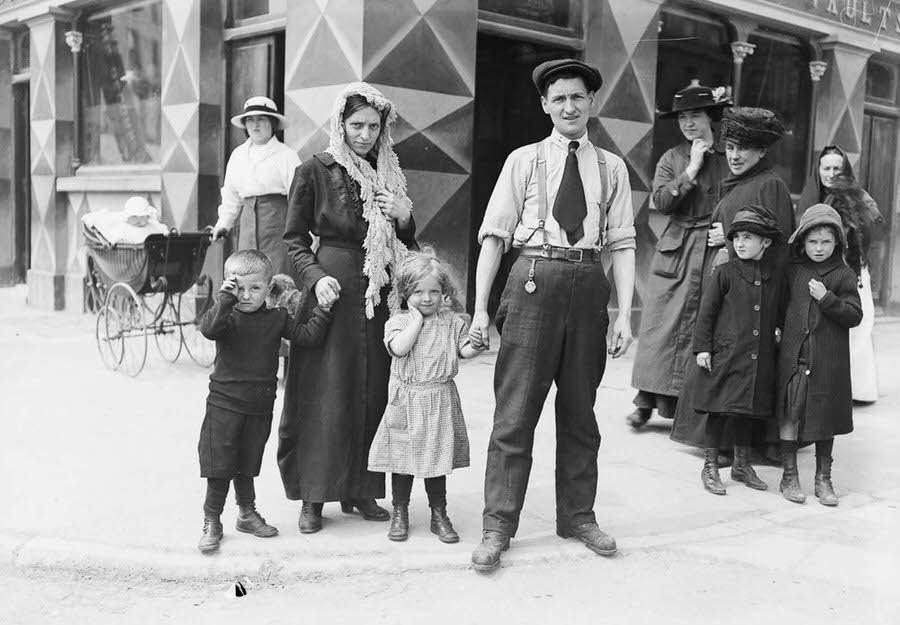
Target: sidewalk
100,475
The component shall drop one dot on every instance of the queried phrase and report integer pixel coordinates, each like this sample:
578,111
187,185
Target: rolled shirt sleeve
504,209
620,233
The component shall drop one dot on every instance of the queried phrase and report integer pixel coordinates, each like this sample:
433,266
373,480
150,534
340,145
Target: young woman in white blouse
257,180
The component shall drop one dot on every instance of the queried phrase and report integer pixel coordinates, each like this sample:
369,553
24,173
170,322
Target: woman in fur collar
832,182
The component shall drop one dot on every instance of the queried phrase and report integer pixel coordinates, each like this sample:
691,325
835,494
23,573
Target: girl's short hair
247,262
415,267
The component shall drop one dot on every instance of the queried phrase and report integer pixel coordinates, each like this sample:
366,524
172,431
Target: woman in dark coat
814,399
353,196
747,133
685,189
832,182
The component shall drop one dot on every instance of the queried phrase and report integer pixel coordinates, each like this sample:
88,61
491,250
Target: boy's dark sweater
247,344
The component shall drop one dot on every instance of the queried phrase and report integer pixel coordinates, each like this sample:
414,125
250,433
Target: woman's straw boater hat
756,219
260,105
697,97
751,127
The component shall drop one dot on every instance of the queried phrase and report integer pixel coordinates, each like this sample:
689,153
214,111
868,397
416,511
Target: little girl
734,341
423,433
814,399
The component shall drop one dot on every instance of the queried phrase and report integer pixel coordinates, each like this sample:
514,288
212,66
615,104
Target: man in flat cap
558,202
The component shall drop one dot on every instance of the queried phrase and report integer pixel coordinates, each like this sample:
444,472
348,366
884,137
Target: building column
626,105
7,201
193,91
421,55
840,99
53,239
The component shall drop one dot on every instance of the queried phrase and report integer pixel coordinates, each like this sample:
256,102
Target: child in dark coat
242,388
734,342
814,400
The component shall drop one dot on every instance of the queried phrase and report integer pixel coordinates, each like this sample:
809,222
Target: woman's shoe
742,470
441,525
399,523
823,487
790,479
310,520
710,473
369,510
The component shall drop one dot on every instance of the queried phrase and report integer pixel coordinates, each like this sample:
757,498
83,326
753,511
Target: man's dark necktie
570,208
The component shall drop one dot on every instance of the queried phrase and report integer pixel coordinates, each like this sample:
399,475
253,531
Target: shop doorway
21,179
508,115
876,175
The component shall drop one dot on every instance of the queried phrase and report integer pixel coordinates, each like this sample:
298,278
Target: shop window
880,83
121,85
551,12
776,77
692,46
22,51
249,9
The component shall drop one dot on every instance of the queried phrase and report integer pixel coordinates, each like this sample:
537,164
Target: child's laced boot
441,525
824,489
710,473
399,523
742,470
790,480
212,534
250,521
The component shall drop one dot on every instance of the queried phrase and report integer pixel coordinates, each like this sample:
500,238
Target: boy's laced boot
710,473
790,479
742,470
399,523
441,525
486,556
250,521
310,520
824,488
212,534
639,417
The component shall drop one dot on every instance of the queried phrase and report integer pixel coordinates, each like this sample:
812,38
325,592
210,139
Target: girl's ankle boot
710,474
441,525
742,470
790,479
399,522
824,488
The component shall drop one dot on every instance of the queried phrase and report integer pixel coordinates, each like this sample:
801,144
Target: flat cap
548,69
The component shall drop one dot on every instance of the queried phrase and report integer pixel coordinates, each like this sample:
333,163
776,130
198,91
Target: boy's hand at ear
229,286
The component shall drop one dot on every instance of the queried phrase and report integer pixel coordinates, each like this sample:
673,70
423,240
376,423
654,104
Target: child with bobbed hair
814,399
423,432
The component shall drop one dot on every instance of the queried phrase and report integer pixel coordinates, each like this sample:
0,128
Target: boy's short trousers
232,442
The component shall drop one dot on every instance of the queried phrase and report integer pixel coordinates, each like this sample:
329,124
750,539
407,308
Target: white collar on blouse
264,151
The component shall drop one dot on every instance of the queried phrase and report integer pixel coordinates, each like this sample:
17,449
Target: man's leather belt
571,254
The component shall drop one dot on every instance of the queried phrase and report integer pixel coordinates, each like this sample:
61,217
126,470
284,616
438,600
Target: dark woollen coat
736,324
335,394
825,325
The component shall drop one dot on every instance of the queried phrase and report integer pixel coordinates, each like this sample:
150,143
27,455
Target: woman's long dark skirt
335,395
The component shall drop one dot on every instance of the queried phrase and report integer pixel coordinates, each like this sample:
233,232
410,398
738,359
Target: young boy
814,400
734,341
242,388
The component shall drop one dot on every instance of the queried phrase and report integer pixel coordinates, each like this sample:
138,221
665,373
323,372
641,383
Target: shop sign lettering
879,17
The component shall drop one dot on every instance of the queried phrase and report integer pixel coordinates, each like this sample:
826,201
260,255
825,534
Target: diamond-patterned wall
620,36
421,55
7,201
841,100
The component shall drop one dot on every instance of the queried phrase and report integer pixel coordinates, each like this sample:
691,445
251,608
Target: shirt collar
557,139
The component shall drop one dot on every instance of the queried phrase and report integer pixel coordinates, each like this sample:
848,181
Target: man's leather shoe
592,536
310,520
486,556
369,510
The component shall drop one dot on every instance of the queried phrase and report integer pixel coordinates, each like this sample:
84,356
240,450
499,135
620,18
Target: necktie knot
573,147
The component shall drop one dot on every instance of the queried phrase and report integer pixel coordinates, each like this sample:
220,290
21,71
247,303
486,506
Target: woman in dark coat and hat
832,182
814,401
747,133
685,190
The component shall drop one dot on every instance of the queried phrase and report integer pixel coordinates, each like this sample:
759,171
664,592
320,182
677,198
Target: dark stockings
435,487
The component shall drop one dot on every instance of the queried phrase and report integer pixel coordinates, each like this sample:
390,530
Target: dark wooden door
876,175
255,67
22,179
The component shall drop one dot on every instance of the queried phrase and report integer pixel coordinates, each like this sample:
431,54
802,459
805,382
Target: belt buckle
570,254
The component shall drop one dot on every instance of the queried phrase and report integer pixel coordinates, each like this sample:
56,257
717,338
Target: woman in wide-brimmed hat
257,179
685,190
353,196
832,182
747,133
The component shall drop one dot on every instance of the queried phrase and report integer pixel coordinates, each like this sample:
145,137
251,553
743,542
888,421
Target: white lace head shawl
383,249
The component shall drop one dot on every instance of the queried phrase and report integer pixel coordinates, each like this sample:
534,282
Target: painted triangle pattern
839,113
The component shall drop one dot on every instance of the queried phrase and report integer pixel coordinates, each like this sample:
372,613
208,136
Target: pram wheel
131,331
192,305
107,324
166,329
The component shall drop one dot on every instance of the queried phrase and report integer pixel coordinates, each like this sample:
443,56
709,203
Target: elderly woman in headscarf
353,197
747,133
832,182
